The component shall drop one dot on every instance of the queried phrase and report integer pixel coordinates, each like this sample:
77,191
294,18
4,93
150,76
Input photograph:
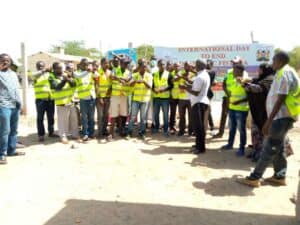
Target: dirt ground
151,182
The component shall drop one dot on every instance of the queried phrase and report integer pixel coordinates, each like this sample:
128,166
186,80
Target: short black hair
283,57
239,67
55,65
6,55
39,62
103,60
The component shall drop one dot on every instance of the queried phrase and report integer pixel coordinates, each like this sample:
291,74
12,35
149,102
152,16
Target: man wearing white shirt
199,102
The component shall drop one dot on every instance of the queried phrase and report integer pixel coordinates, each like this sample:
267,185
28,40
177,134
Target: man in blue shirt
10,104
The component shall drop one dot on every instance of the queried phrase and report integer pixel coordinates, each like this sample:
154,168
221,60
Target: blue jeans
273,149
164,104
9,119
237,120
135,108
87,109
42,107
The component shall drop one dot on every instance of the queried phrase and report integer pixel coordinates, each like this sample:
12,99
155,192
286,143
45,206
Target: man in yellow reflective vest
119,93
174,98
162,84
43,101
283,108
142,84
85,86
238,111
184,103
103,97
63,88
227,83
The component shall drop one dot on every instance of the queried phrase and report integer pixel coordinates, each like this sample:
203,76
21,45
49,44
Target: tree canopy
145,51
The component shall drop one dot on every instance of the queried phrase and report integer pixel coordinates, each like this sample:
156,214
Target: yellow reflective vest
292,101
85,86
160,83
119,89
230,80
183,94
140,92
41,86
104,83
175,90
63,96
238,93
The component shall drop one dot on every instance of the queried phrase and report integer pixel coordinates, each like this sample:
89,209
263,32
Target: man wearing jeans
10,103
141,83
281,116
162,84
85,79
199,102
238,111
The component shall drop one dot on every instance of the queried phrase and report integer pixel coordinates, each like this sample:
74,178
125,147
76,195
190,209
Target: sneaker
110,138
20,145
128,136
227,147
166,134
3,160
41,138
180,134
85,138
142,136
64,140
240,152
218,135
249,181
276,181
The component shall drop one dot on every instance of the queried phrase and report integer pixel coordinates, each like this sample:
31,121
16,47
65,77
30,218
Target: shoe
16,154
218,135
53,135
3,160
249,181
41,138
166,134
142,136
128,137
64,140
240,152
227,147
110,138
20,145
180,134
276,181
172,131
85,138
197,152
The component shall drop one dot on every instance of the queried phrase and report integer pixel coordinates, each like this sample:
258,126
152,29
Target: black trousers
198,115
42,107
224,114
173,109
184,105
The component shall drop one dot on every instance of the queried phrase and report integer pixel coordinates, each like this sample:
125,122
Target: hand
100,101
182,87
266,128
4,66
239,80
235,103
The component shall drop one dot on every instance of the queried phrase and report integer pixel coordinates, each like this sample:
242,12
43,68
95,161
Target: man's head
161,65
280,59
104,64
84,64
5,62
238,70
70,67
209,64
40,65
169,66
187,67
115,62
58,68
200,65
95,65
176,67
124,63
142,68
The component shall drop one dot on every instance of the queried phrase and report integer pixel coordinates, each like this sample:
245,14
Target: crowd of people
120,92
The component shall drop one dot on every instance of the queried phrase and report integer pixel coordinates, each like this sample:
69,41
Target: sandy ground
151,182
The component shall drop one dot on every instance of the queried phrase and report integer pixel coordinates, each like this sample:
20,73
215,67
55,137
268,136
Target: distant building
50,58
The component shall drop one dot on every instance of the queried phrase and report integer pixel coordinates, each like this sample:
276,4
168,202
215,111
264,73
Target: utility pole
25,77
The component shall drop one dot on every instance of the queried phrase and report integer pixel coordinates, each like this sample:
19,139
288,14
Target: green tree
295,58
145,51
76,48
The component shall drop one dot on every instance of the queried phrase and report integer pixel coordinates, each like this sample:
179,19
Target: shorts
118,106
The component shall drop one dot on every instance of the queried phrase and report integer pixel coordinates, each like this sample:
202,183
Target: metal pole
25,78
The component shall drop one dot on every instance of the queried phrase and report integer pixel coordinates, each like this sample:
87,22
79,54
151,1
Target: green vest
42,88
63,96
183,94
161,83
104,84
230,80
238,93
117,88
85,86
175,90
292,100
140,92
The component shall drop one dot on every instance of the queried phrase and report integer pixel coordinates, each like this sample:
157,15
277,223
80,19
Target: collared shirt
9,89
201,84
281,86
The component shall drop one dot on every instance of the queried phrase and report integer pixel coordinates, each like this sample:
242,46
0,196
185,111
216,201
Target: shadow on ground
90,212
224,187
